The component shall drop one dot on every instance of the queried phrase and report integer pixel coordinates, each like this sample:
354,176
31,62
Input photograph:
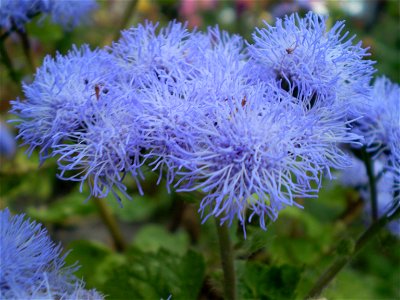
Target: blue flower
32,266
7,142
78,110
257,151
67,13
63,93
170,53
318,64
387,185
15,13
108,146
381,122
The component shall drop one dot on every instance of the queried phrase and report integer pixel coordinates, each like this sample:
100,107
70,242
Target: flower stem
227,260
26,46
112,225
8,63
372,183
340,262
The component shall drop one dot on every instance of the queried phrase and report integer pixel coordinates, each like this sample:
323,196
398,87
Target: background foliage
170,253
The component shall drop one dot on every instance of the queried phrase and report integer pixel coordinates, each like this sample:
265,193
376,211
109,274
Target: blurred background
305,239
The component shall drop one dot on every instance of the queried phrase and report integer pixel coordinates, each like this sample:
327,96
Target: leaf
258,281
151,238
70,206
90,257
156,276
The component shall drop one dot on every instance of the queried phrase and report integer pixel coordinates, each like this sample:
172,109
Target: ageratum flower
386,186
311,61
15,13
77,109
258,153
381,122
32,266
63,93
106,148
69,13
7,143
170,110
170,53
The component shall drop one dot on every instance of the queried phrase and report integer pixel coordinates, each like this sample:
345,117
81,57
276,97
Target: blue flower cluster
32,266
253,126
67,13
381,128
356,177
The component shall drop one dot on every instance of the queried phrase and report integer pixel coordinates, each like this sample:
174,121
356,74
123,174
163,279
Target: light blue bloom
67,13
7,142
170,52
32,266
386,186
381,123
70,13
63,93
312,61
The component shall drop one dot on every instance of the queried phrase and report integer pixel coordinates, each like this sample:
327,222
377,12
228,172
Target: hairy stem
340,262
112,225
369,166
227,260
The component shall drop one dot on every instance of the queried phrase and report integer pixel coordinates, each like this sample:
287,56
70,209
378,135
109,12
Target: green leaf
154,237
70,206
258,281
156,276
90,257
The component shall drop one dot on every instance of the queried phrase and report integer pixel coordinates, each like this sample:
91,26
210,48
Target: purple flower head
258,152
67,13
15,13
7,142
32,266
311,60
64,92
168,53
387,185
106,148
381,123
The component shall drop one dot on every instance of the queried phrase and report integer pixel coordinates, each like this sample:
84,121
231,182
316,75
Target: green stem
369,166
340,262
112,225
26,46
227,260
8,63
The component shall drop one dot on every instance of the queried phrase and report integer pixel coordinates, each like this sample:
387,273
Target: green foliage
93,257
281,263
259,281
151,238
156,275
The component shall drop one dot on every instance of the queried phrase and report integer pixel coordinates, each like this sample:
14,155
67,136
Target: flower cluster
356,177
253,126
32,266
381,129
67,13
